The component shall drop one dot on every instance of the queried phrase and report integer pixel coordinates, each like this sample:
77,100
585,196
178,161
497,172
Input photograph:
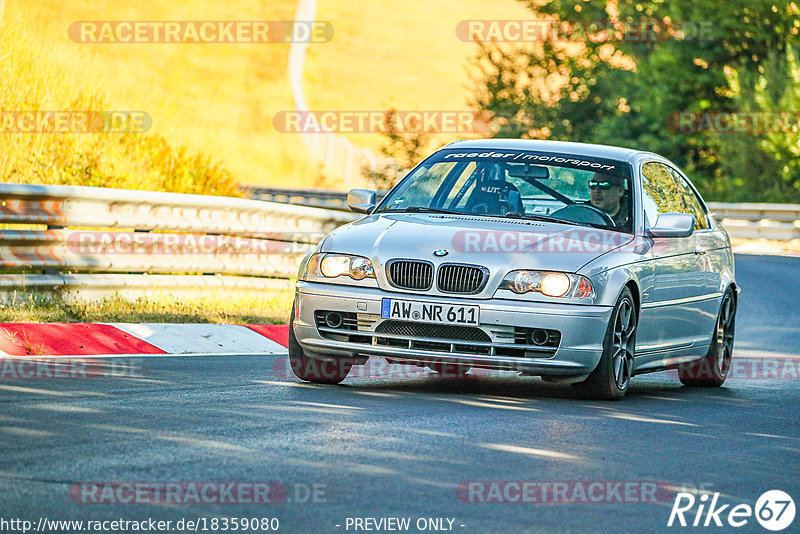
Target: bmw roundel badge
441,252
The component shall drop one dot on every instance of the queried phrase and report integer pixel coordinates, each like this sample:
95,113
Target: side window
691,203
420,189
659,193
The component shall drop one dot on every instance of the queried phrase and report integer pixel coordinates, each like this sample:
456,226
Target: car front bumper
582,330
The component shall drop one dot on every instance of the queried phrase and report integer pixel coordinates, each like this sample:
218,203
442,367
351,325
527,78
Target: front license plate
428,312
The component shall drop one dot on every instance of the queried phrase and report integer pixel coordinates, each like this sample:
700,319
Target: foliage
400,152
777,154
623,92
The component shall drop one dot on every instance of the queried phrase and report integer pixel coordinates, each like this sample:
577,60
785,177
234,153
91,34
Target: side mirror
673,225
361,200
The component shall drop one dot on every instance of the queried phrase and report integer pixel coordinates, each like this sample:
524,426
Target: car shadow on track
662,388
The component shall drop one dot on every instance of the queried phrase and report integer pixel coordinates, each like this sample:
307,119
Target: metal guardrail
318,198
56,235
769,221
780,222
101,239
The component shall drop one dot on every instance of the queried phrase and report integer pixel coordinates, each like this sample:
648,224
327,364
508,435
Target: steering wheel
481,208
584,213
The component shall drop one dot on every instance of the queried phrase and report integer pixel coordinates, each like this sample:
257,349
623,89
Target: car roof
562,147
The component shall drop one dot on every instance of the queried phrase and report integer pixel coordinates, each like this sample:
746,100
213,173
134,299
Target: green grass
213,307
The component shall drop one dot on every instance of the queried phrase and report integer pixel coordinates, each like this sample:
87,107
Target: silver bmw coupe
582,264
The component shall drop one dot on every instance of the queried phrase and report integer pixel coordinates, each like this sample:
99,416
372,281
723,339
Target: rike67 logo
774,510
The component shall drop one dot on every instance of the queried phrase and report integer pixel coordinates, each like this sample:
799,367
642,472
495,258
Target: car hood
501,245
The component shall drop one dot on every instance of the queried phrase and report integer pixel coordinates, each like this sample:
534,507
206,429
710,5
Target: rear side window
659,192
691,203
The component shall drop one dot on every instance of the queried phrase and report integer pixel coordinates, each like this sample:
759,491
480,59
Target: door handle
700,250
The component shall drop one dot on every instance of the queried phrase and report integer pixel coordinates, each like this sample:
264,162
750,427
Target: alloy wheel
623,344
724,336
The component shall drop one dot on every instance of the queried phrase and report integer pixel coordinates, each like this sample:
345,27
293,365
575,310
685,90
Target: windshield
566,188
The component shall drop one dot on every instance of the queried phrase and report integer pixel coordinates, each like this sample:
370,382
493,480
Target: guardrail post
49,226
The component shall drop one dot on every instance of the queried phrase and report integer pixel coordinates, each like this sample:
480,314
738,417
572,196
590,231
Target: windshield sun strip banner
523,156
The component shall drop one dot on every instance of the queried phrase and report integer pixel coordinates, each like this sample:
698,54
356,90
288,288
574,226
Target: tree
400,153
621,91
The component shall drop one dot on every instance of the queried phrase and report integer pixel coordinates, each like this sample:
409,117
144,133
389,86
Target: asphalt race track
400,447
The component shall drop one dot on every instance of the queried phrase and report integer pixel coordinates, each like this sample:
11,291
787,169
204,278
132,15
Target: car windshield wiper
509,215
535,217
545,218
421,209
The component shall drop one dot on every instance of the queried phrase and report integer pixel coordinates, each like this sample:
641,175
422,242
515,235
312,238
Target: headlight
361,268
548,283
554,284
335,265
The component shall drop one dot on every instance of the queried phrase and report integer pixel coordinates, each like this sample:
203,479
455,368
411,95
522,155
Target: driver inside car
607,192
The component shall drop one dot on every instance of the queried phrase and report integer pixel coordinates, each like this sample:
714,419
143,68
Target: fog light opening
333,319
539,337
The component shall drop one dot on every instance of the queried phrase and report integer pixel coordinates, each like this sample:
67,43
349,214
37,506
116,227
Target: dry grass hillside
212,104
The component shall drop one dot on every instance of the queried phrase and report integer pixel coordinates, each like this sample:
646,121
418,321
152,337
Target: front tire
712,370
610,379
314,370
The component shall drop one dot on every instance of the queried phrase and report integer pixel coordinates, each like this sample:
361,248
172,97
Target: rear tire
712,369
610,379
315,370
